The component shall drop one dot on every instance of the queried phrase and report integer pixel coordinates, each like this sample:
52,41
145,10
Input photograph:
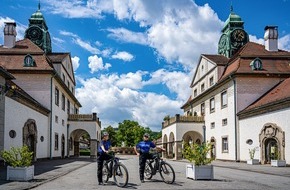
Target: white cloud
125,56
115,102
83,44
284,43
124,35
176,82
57,40
179,31
96,64
75,62
131,80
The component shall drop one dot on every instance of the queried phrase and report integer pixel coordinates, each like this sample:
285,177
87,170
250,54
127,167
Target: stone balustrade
179,119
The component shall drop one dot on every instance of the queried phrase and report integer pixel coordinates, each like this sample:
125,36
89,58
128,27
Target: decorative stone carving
271,131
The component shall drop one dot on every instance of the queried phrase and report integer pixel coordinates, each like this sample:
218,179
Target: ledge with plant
197,155
19,161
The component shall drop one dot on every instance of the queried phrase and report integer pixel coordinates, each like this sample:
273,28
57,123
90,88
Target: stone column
76,148
178,150
93,149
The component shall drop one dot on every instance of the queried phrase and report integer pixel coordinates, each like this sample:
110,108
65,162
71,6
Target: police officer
144,147
103,155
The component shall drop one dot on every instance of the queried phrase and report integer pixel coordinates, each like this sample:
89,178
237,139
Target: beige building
225,89
38,103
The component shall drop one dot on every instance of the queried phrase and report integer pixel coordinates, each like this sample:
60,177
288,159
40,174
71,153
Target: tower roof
233,20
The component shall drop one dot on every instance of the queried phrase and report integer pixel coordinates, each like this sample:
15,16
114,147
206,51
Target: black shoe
142,181
101,183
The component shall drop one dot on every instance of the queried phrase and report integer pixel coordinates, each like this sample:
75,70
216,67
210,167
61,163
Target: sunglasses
146,136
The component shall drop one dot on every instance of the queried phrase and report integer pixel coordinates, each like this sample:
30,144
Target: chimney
271,38
10,34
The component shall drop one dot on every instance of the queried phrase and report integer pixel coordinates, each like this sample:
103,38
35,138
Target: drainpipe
50,128
50,141
204,137
235,113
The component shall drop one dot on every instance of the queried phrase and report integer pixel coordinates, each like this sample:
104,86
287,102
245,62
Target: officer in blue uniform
103,155
144,148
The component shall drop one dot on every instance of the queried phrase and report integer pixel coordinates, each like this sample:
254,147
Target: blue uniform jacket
106,144
145,146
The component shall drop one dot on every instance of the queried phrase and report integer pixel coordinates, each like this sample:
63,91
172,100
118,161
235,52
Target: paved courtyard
227,175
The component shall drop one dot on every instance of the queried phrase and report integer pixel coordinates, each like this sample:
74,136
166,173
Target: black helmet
146,135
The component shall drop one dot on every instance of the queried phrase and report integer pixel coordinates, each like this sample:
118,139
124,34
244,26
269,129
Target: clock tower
37,31
233,36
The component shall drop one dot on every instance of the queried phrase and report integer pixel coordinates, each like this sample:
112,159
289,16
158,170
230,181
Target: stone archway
271,137
30,136
171,143
192,137
165,140
75,139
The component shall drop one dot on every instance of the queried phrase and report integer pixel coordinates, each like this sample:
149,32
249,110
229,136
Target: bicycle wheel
121,175
148,171
105,176
167,173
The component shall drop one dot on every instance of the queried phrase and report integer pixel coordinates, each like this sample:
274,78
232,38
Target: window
68,85
212,105
224,99
202,87
225,144
63,102
55,141
202,109
63,78
68,107
224,122
62,122
56,97
212,125
29,61
76,111
195,93
56,119
210,81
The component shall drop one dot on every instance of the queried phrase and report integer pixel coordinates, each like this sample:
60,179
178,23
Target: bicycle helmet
146,135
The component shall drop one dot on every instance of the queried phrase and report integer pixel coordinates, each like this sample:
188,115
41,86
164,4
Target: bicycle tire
148,171
165,170
105,176
121,171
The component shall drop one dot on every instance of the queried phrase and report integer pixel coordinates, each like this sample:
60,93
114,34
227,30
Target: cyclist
103,155
144,148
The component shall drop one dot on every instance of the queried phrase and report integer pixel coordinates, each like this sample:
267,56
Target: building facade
226,85
38,105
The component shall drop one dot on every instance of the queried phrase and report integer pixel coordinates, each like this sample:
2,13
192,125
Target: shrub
17,156
252,153
197,153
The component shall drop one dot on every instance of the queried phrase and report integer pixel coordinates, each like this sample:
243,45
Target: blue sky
134,59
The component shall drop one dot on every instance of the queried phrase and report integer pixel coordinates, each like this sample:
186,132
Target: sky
135,59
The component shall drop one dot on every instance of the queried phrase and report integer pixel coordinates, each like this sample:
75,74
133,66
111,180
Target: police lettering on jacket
145,146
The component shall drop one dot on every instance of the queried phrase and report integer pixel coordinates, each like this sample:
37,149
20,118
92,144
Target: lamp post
204,137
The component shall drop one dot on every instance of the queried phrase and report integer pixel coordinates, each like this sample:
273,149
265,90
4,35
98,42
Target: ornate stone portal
271,137
30,136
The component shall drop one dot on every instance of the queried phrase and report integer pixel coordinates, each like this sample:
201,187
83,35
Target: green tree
113,135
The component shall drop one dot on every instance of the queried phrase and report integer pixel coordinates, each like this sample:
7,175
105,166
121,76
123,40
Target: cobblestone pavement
81,175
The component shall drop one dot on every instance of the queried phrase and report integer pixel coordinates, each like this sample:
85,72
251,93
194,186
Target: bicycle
158,164
113,167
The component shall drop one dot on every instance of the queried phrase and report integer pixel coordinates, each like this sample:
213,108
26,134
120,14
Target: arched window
29,61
